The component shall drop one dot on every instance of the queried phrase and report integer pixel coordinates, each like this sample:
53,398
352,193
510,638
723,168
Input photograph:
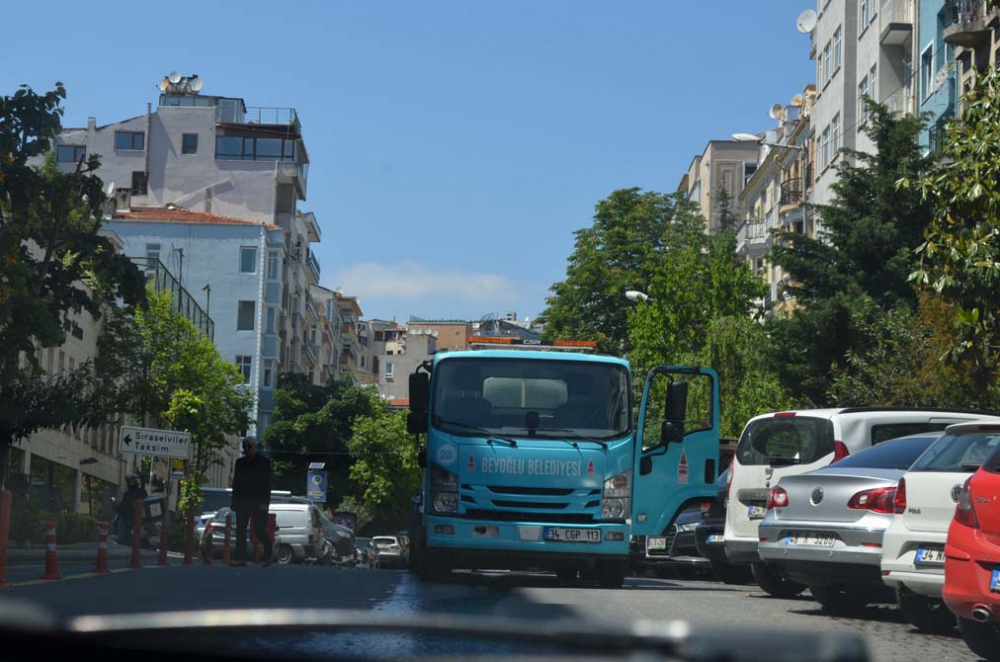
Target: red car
972,560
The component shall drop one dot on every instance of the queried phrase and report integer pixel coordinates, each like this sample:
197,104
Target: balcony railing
791,192
313,264
185,304
965,22
896,22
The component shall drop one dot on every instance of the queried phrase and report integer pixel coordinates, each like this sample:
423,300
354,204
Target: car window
215,500
887,431
383,542
801,438
992,463
290,518
892,454
958,452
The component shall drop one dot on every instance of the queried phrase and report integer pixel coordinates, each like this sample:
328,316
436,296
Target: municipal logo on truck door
471,465
682,468
590,468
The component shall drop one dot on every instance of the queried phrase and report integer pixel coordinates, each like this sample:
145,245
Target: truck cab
532,461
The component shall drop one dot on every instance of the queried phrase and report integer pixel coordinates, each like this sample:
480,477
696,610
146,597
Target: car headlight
617,493
446,502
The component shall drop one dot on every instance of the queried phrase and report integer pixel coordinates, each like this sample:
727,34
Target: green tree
864,252
960,257
313,424
385,467
54,263
622,250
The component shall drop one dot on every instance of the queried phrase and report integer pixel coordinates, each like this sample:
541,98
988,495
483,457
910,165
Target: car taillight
778,498
878,500
965,513
899,501
840,450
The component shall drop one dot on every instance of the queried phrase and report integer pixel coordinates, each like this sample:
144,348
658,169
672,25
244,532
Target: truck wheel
611,574
923,613
774,584
983,639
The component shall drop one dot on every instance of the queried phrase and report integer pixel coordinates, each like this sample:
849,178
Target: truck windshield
543,399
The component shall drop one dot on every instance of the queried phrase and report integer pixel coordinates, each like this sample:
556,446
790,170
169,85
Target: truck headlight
617,492
443,480
446,502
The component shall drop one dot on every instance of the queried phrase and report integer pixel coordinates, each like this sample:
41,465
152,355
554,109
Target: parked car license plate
561,534
995,580
807,538
930,555
656,544
757,512
716,537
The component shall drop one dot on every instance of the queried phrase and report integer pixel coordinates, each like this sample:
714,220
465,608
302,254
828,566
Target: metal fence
184,303
272,116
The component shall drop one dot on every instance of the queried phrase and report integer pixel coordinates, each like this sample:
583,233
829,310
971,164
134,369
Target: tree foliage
385,468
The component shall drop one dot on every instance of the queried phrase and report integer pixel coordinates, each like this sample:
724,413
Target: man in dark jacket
251,500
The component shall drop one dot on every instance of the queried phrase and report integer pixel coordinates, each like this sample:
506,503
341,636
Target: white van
300,529
795,442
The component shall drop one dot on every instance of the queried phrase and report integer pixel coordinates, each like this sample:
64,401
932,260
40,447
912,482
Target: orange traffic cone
51,571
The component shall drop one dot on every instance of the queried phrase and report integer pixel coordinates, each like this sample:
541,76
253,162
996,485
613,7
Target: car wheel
284,555
838,601
925,614
728,573
611,574
774,584
983,639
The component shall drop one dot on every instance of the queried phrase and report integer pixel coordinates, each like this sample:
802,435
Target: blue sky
455,146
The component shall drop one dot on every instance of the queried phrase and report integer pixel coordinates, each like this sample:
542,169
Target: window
954,453
246,315
748,170
827,63
899,454
819,71
388,370
863,92
362,360
139,182
837,48
238,148
889,431
873,81
272,265
865,9
268,373
243,363
270,320
825,153
927,71
804,438
131,140
248,259
70,153
189,143
835,128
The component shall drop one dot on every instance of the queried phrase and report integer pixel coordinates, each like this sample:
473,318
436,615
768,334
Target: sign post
316,480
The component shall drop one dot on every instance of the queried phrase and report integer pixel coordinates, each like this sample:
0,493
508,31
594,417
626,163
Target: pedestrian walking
251,500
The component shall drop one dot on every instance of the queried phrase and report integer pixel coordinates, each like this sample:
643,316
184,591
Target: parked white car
791,443
913,545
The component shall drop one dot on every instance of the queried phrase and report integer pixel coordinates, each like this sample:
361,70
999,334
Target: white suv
795,442
913,545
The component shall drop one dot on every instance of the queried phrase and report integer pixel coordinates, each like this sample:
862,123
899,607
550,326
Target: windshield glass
383,542
958,453
803,439
895,454
516,396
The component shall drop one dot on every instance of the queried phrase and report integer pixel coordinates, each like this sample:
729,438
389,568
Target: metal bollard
189,538
102,549
51,571
227,545
6,501
136,562
164,546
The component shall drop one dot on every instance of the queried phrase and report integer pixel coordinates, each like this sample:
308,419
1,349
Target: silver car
824,528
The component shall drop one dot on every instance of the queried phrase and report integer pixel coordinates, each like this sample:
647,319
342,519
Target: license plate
716,538
995,580
757,512
560,534
806,538
656,544
930,556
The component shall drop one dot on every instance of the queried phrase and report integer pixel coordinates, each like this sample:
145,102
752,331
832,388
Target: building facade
936,71
452,335
724,166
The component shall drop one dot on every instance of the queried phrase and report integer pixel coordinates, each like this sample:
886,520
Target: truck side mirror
419,392
416,422
671,432
675,408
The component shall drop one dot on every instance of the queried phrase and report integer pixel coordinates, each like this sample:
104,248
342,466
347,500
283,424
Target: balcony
966,22
311,352
896,22
164,281
752,237
288,153
312,226
313,266
791,194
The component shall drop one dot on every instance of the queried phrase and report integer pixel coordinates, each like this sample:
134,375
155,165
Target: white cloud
412,280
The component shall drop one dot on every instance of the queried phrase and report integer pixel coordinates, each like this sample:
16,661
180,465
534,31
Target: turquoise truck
534,460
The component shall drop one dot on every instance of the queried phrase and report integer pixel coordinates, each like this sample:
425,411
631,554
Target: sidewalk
85,551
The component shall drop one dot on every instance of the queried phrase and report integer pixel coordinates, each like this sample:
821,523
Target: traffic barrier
164,545
102,549
207,544
227,545
6,500
51,571
189,538
135,562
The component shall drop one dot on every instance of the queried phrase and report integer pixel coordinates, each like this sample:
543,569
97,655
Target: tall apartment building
212,187
971,28
397,352
725,165
329,331
936,70
352,350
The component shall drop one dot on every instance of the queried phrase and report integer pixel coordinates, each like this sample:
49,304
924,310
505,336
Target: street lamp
636,296
754,138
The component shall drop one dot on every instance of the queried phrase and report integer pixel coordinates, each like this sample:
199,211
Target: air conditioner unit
123,198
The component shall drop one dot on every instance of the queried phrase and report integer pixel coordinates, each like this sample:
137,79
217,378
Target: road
499,594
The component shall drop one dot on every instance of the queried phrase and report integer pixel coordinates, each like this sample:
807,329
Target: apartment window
927,71
865,9
827,63
238,148
819,71
388,370
825,152
70,153
837,49
246,315
243,363
189,143
130,140
268,373
272,265
835,128
248,259
873,81
863,93
139,182
270,320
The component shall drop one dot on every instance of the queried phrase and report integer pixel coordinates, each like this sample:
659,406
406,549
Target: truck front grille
546,491
521,516
530,505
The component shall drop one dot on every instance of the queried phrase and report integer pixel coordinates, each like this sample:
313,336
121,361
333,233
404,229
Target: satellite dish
806,21
163,85
174,77
111,189
797,100
777,111
196,84
746,138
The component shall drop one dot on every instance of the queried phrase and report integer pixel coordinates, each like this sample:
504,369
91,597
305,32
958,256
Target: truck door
677,445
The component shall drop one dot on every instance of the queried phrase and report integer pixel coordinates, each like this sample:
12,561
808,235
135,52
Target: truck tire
983,639
925,614
774,584
611,574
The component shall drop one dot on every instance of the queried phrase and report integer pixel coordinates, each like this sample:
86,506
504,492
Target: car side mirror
671,432
419,392
416,422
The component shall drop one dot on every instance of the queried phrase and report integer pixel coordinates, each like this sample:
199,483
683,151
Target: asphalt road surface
531,596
